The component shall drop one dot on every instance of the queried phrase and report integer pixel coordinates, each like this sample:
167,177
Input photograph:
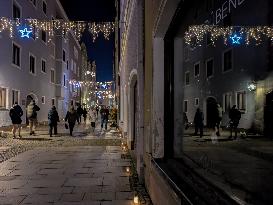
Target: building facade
35,68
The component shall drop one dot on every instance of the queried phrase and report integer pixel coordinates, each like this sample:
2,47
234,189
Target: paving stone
75,197
39,198
118,202
11,200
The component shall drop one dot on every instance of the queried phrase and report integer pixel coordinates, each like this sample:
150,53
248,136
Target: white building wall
21,79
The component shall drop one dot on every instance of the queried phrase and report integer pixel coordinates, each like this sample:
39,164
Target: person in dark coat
53,119
104,112
15,114
79,112
32,109
234,116
84,114
199,122
71,117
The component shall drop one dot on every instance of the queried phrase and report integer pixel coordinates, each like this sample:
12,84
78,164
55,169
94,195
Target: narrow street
85,169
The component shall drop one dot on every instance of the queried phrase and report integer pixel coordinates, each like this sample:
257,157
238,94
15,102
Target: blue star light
236,39
25,33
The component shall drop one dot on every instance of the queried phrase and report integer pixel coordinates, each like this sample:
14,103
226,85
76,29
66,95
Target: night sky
102,50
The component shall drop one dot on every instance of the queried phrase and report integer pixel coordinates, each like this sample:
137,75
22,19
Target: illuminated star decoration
236,39
25,33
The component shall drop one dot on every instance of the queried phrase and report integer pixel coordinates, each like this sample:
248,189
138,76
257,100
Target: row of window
15,97
17,10
226,66
16,60
227,101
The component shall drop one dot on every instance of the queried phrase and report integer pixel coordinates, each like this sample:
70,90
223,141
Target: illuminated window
227,101
241,100
3,97
15,97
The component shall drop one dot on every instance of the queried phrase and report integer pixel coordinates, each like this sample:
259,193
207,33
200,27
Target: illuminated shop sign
225,9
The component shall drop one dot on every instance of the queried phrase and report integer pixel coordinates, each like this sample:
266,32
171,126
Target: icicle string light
195,35
50,27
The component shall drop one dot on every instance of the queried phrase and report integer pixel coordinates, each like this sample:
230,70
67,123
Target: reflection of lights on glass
136,201
252,86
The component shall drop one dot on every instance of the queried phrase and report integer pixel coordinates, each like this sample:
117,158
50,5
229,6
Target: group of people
234,116
16,113
72,116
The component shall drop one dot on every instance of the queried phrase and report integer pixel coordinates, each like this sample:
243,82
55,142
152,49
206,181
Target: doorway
268,115
134,127
211,112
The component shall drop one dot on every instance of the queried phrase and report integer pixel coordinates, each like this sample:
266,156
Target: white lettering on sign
226,8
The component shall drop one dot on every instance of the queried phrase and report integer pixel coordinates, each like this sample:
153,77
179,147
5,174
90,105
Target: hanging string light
195,35
51,26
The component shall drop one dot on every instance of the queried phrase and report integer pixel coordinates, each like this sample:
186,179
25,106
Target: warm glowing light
136,200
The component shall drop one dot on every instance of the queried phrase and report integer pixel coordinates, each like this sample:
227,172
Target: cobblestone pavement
84,169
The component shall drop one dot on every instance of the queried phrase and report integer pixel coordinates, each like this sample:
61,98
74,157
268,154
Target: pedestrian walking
15,114
79,112
234,116
32,110
218,118
53,119
93,117
71,117
97,110
104,112
84,114
199,122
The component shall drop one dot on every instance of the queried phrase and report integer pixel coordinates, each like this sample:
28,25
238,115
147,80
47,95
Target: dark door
268,116
29,99
133,146
211,112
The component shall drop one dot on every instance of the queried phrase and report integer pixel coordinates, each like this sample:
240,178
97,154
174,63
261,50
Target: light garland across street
233,34
33,26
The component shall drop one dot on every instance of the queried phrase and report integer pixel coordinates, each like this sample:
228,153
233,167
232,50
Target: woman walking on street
15,114
53,119
71,117
93,117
